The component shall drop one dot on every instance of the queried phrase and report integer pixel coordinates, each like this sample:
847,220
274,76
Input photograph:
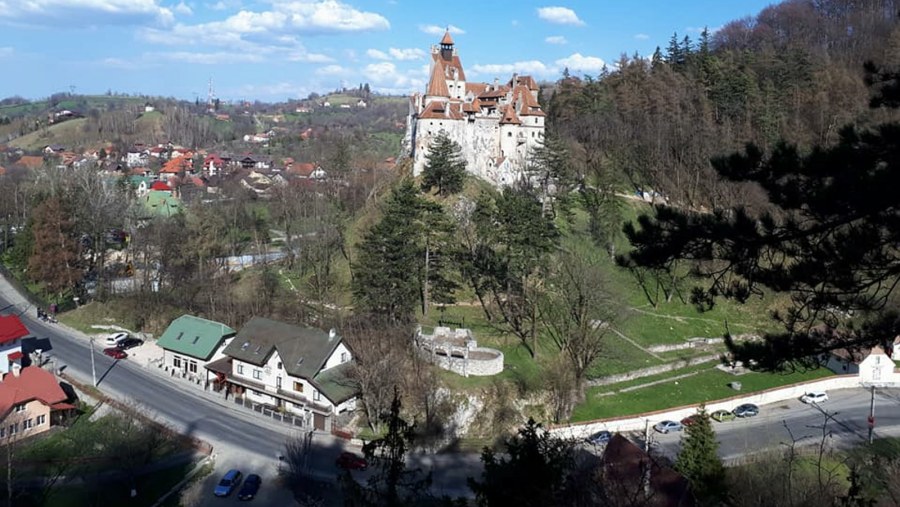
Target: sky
272,50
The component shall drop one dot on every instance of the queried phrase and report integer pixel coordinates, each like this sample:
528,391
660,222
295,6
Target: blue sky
277,49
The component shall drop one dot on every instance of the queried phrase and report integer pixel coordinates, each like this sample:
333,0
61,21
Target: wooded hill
794,72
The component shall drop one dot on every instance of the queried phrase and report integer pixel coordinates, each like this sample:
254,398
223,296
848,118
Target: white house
297,369
12,331
190,343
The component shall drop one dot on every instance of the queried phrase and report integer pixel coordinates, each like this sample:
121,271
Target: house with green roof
298,369
190,343
161,203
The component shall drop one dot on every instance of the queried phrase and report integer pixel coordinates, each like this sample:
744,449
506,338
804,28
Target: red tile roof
446,39
177,165
625,467
11,328
15,356
158,185
437,84
304,169
509,116
30,161
32,383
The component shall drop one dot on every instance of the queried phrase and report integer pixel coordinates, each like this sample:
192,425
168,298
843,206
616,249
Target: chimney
331,334
16,370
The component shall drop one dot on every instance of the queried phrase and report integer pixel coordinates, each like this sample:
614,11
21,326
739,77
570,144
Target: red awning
15,356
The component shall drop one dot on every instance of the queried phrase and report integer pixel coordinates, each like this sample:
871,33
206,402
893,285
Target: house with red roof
490,122
162,186
12,332
31,401
176,167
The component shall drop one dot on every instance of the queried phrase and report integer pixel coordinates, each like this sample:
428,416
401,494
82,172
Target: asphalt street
778,424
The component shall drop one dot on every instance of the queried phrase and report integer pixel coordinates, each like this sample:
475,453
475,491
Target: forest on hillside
793,73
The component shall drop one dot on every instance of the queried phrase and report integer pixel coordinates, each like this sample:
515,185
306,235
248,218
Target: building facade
496,125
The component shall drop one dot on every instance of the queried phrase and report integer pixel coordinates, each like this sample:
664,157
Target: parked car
130,343
228,482
250,487
116,338
722,416
667,426
350,461
689,420
115,353
746,410
814,397
600,438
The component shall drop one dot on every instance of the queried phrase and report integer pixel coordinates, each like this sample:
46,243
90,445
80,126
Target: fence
33,299
285,417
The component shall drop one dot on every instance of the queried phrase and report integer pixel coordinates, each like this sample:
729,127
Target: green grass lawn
704,387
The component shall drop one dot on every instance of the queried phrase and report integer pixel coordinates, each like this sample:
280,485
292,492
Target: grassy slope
65,133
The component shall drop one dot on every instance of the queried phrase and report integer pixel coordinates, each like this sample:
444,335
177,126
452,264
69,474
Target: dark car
250,487
130,343
229,481
115,353
689,420
350,461
746,410
599,438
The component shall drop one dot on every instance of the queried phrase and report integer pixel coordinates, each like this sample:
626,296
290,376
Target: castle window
509,134
535,120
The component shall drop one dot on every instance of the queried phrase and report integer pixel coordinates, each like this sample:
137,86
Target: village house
31,401
497,126
12,332
297,369
190,343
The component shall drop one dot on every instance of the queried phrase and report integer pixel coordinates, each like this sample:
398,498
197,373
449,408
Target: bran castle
496,125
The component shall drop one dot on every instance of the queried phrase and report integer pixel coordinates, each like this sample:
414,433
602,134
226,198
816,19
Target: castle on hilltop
496,125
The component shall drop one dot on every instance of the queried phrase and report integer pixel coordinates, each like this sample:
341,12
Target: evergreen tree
657,59
673,52
532,472
405,258
445,168
384,280
699,460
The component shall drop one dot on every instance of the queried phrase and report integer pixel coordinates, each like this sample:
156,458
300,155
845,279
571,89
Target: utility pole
93,369
872,417
647,435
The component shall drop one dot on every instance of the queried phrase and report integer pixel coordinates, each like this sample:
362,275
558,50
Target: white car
814,397
116,338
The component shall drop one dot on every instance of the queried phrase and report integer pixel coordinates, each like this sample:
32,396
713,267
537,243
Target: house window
27,423
176,362
240,369
298,386
279,365
317,395
2,432
257,374
278,382
192,367
41,419
509,134
20,408
13,429
344,357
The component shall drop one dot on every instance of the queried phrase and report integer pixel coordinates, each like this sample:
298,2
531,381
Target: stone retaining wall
470,366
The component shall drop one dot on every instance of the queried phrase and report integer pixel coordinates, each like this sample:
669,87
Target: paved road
778,423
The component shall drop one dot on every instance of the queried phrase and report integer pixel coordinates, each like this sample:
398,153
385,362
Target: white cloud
282,89
213,58
576,63
439,30
556,39
534,67
579,63
183,8
386,78
93,12
331,70
641,36
406,54
559,15
377,54
223,5
301,55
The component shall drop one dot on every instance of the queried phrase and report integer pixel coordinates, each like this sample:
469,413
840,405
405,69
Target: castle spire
447,40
